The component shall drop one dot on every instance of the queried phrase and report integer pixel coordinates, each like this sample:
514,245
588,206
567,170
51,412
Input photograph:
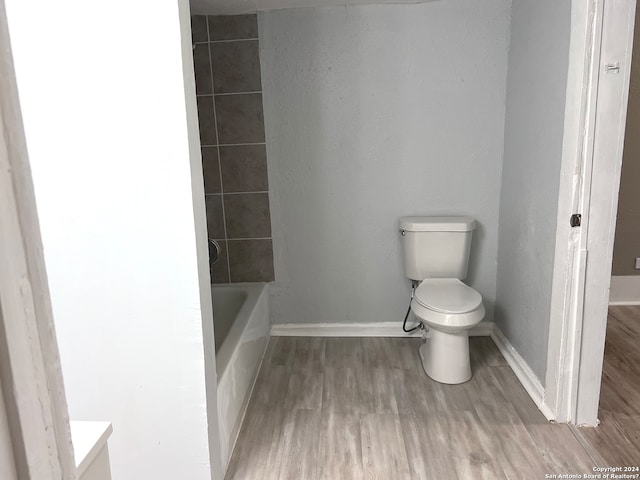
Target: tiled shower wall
234,158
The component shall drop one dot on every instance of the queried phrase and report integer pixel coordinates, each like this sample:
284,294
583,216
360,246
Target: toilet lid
447,295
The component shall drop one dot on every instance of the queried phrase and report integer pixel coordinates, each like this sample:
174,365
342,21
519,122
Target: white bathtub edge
243,410
226,352
244,347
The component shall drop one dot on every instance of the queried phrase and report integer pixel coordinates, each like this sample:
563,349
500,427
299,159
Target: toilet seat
447,295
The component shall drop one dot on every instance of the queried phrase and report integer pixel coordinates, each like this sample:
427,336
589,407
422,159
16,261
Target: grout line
259,92
233,39
246,193
235,193
252,92
233,144
215,125
249,238
240,144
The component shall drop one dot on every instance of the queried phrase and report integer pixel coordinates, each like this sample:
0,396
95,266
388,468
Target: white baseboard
527,378
625,290
380,329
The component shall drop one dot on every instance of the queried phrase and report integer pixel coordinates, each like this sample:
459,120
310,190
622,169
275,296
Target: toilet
436,255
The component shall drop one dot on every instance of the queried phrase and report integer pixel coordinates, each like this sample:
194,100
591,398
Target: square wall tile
202,69
206,120
211,170
236,67
215,217
220,270
199,28
251,260
244,168
233,27
247,215
240,118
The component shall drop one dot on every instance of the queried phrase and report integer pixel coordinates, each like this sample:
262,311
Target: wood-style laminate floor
617,440
356,408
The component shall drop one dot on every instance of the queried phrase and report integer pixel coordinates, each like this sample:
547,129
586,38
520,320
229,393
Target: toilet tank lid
437,224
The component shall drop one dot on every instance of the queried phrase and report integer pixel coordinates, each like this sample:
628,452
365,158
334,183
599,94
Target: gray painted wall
372,113
536,85
627,244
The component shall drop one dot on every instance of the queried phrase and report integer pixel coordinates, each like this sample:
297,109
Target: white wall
103,97
373,113
536,86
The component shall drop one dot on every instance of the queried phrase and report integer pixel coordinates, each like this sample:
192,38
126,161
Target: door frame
595,118
35,418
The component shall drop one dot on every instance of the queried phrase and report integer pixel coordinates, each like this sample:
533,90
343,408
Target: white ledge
88,440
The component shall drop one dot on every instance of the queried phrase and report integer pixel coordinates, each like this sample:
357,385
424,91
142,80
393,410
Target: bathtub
241,327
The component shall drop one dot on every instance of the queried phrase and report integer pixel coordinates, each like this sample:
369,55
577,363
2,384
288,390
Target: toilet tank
436,247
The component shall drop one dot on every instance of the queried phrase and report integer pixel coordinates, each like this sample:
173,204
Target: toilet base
445,356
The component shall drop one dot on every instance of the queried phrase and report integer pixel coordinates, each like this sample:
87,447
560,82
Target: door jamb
573,381
30,371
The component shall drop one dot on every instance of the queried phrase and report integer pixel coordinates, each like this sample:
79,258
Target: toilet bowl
435,256
449,309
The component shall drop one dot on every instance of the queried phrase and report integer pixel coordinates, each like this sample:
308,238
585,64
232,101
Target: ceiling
236,7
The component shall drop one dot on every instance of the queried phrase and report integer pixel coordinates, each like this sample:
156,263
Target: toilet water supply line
420,325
